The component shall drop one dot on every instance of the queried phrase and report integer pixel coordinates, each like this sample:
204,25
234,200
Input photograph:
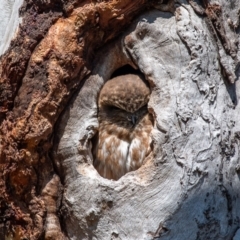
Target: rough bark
51,74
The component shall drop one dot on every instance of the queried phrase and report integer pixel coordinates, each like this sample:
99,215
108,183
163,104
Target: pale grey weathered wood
9,21
190,189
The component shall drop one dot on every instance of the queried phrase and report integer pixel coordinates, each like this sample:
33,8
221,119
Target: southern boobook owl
125,125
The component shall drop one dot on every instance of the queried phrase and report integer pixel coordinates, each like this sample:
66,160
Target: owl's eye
113,108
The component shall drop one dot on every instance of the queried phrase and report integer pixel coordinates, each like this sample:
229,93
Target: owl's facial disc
123,101
122,117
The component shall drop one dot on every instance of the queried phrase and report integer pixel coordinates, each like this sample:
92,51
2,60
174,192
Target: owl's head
124,99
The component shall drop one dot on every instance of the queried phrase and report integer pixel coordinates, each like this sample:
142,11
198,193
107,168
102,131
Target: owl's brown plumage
125,125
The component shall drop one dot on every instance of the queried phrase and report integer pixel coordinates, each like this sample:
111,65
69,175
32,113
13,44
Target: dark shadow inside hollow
123,140
126,69
231,89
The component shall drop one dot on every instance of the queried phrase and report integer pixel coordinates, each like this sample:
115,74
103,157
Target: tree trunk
51,75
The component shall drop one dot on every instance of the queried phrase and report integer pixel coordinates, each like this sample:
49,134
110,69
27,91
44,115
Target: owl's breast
120,150
111,156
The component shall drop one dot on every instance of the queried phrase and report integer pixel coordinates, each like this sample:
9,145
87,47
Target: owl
123,139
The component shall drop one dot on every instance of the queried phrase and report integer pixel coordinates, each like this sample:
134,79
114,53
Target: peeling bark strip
14,62
53,67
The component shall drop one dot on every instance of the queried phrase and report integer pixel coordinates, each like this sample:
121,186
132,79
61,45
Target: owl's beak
134,119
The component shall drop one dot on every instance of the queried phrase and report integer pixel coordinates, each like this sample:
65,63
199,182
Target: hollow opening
123,140
126,69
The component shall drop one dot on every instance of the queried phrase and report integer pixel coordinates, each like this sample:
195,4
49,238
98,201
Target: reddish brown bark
43,67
